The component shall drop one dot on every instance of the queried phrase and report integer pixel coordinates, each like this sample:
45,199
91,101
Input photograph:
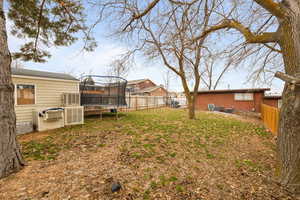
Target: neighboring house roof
43,74
173,93
148,89
133,82
273,97
234,91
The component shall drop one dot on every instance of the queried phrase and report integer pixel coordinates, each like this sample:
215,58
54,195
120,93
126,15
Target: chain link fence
152,102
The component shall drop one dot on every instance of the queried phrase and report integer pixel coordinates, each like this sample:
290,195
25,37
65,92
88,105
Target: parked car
174,104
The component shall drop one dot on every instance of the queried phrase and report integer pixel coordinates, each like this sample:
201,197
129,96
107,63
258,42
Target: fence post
136,103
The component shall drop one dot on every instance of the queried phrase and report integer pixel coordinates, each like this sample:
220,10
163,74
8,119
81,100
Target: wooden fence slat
270,117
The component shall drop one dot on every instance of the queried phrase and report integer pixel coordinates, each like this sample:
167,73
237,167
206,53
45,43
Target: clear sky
71,60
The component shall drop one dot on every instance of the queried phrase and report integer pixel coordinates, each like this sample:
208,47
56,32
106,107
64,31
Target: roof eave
233,91
44,78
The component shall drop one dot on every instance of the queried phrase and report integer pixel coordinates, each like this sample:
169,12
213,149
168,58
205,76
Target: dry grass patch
156,154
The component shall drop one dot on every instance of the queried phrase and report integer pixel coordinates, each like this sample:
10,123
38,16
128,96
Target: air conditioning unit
74,115
70,99
53,115
48,118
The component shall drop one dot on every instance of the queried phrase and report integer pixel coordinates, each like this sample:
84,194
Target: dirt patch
242,117
33,136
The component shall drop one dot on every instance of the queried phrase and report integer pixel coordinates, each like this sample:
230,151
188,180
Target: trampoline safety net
105,91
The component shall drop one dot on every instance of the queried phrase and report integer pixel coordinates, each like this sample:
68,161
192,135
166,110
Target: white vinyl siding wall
48,94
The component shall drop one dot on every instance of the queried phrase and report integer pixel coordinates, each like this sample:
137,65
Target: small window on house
243,96
25,94
279,103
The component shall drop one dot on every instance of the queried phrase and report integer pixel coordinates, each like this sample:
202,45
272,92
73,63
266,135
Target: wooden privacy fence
270,117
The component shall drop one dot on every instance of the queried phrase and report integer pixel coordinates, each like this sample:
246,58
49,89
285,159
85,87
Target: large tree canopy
44,23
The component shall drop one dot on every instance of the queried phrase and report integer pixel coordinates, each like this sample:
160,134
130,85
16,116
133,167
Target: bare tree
284,38
215,68
166,78
121,65
165,35
286,35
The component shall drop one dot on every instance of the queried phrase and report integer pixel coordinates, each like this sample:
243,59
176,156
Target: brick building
238,99
135,85
152,91
274,101
145,87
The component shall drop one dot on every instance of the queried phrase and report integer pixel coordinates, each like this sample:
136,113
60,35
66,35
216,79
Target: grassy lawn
155,154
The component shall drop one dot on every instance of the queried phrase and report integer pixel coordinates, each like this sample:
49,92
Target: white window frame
16,94
243,96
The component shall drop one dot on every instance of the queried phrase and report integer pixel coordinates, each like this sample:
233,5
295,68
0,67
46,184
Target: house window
243,96
25,94
279,103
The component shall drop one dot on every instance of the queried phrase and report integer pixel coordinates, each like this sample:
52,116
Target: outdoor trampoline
102,92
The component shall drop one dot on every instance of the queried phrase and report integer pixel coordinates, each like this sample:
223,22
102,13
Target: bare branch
38,25
183,3
264,24
267,37
272,48
287,78
222,73
136,16
158,45
271,6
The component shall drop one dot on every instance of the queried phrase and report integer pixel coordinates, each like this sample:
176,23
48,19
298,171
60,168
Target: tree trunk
191,104
10,156
189,98
289,125
191,107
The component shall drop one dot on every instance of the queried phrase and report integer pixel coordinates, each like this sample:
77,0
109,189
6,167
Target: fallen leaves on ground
157,154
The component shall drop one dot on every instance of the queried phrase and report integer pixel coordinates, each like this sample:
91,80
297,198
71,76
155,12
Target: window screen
243,96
